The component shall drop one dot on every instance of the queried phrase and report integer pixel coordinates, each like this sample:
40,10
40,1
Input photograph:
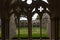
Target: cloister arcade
14,9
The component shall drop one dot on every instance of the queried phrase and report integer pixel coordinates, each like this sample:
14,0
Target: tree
37,17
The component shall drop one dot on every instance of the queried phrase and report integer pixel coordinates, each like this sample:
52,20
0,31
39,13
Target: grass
35,32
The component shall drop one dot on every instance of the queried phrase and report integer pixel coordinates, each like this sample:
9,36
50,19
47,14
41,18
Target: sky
35,15
33,18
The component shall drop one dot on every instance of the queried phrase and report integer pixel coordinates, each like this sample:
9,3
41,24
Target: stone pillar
5,24
54,28
30,27
59,28
12,28
40,29
48,26
18,24
40,16
5,28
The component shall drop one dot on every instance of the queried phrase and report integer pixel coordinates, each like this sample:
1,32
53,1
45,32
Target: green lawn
35,32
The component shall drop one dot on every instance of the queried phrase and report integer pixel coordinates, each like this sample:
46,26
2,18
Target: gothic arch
47,23
52,5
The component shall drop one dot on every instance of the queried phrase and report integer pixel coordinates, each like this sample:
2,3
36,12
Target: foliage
37,17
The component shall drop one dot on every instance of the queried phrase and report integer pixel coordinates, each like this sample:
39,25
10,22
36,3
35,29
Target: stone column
5,24
29,26
40,16
18,24
59,28
48,26
12,28
54,28
5,29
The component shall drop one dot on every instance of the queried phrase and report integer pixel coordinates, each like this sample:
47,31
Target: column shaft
54,28
30,28
5,28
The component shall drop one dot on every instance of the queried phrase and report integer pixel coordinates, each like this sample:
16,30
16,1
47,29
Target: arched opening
45,28
46,24
23,27
8,5
35,26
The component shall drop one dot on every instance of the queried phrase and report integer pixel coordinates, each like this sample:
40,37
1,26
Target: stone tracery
23,7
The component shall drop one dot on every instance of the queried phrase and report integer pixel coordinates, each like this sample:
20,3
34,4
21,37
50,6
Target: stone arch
35,20
38,29
22,26
47,23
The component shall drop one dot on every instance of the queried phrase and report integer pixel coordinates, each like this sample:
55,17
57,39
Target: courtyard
35,32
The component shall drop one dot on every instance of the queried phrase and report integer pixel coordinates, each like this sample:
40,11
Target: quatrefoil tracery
35,6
